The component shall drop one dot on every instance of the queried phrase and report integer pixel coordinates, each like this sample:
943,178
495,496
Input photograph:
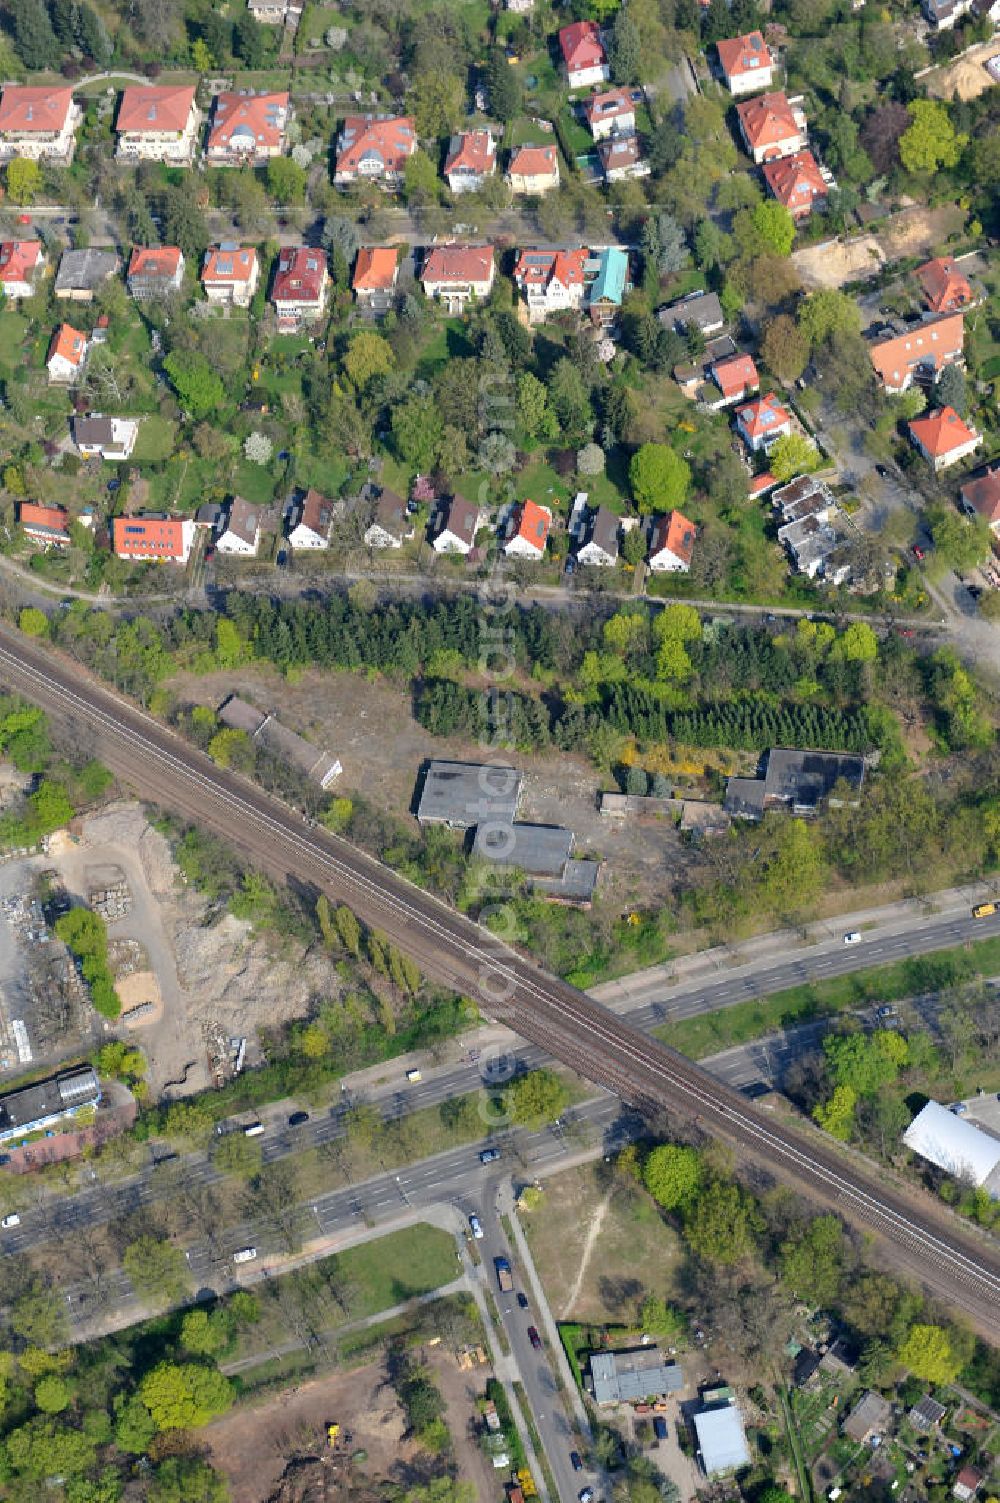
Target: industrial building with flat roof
629,1377
957,1146
722,1444
795,780
461,794
39,1106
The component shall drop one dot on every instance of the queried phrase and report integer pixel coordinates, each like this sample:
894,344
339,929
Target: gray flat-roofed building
796,780
462,794
721,1441
870,1416
538,850
287,746
927,1414
39,1105
745,798
82,272
576,885
630,1377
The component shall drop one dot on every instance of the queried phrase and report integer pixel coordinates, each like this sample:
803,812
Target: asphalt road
927,1242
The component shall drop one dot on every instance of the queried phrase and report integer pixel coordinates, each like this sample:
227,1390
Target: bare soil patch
461,1390
966,77
908,233
253,1444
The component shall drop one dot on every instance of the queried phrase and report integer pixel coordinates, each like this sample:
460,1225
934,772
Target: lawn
156,439
255,482
633,1253
542,484
13,327
450,341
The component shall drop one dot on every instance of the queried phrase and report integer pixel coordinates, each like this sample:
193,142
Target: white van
245,1255
413,1076
254,1130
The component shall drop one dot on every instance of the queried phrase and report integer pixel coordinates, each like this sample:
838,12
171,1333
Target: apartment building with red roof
374,148
67,354
771,127
44,524
797,183
229,274
944,287
21,264
298,291
471,159
376,272
762,422
39,124
153,538
528,531
158,123
610,113
746,63
154,271
944,438
920,352
671,544
551,281
247,128
980,497
456,274
533,170
585,61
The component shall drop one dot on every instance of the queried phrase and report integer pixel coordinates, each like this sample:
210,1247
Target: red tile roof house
528,531
797,183
39,124
154,538
458,273
313,524
67,354
980,497
158,123
229,274
621,157
610,114
551,281
241,534
246,128
966,1484
376,273
44,524
944,287
533,170
373,148
920,352
298,291
456,524
471,159
671,544
21,263
943,438
762,422
155,271
584,60
735,378
771,127
746,63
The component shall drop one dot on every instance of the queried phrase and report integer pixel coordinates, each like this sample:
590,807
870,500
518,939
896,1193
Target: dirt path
593,1232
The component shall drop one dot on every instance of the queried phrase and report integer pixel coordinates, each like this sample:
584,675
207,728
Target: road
926,1241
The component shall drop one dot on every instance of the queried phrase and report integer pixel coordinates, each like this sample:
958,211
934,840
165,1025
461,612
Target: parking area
984,1111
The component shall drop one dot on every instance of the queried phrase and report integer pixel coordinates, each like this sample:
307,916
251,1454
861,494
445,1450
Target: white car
12,1220
476,1227
853,937
245,1255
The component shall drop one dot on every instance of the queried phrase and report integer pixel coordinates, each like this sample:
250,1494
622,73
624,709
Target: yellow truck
984,910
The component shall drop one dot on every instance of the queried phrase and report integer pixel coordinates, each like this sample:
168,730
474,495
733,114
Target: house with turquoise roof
608,278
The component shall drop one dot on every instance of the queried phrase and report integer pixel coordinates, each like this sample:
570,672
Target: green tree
24,180
827,312
198,386
349,929
187,1479
368,355
775,226
184,1397
661,1319
812,1264
503,86
248,42
836,1116
420,180
858,643
52,1394
722,1224
157,1271
659,478
238,1155
927,1353
206,1334
950,390
792,455
624,48
673,1176
286,180
134,1427
931,142
417,429
39,1316
535,1099
437,103
34,40
533,407
230,747
33,622
570,401
784,348
43,1448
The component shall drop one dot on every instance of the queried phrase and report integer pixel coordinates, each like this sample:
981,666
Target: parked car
245,1255
489,1155
522,1299
586,1495
576,1461
476,1227
959,1108
918,552
11,1220
298,1118
852,937
534,1337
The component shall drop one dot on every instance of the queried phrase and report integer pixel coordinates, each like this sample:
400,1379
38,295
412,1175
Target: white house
528,531
158,123
390,526
671,544
456,525
21,264
762,422
551,281
38,124
67,355
746,63
943,438
533,170
471,159
313,524
610,113
458,273
585,61
230,273
241,534
600,550
99,437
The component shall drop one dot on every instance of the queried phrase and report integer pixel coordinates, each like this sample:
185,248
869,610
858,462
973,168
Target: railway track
923,1240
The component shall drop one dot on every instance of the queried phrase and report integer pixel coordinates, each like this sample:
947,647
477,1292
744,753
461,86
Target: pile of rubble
126,956
112,903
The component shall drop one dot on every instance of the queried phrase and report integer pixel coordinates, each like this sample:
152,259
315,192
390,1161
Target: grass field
712,1032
